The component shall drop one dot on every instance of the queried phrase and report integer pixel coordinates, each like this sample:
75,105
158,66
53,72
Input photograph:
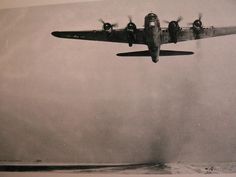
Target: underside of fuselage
154,53
153,33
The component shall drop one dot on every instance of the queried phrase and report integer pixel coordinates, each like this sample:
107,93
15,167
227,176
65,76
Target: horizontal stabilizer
147,53
174,53
134,54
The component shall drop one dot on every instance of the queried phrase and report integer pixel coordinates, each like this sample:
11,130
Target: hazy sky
76,101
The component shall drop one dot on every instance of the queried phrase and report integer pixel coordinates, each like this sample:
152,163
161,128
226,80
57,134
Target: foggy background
5,4
76,101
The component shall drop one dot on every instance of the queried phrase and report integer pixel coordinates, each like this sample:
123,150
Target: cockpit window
152,15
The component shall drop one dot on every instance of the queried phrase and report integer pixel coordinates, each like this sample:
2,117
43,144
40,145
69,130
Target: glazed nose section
152,24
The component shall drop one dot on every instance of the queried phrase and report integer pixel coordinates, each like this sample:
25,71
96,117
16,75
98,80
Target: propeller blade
115,25
102,21
200,16
130,18
179,19
165,21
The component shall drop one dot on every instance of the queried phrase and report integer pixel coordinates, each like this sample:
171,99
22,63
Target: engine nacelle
107,27
131,33
197,27
174,29
131,27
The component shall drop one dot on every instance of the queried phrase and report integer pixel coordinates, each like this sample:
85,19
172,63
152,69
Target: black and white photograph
117,88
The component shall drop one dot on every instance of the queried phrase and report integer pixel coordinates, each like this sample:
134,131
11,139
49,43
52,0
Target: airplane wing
119,36
187,34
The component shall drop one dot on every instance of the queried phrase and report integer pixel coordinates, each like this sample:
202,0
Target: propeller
197,27
200,16
107,26
179,19
198,22
102,21
174,29
130,19
131,26
131,29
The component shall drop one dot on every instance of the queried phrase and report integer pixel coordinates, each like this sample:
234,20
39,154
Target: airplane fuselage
153,35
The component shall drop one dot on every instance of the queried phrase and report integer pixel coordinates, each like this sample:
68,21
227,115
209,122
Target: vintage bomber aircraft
151,35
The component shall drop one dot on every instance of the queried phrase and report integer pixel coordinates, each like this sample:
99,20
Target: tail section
146,53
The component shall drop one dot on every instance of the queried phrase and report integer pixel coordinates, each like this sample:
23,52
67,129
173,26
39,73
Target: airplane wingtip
55,34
